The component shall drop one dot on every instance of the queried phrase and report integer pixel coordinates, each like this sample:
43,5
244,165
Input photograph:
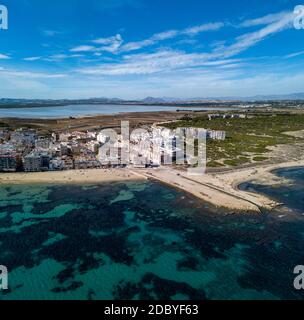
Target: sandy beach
218,189
72,176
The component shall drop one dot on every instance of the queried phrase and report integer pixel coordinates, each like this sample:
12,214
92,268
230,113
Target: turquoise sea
144,240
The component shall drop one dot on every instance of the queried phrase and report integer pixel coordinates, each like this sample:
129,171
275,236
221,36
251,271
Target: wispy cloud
248,40
83,48
51,33
32,58
30,74
115,44
270,18
62,56
172,60
162,61
110,44
170,34
295,54
274,23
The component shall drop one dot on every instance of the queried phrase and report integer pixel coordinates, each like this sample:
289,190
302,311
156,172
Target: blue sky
137,48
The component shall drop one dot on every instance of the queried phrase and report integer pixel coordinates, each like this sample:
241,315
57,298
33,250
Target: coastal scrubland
248,140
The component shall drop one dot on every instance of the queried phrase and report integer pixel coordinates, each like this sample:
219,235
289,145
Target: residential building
23,137
8,162
36,161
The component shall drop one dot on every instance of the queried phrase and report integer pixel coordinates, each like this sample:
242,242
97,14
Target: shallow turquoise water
141,240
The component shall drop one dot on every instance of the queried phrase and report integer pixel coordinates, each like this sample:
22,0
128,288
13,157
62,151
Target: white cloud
51,33
30,74
161,61
293,55
114,44
248,40
32,59
108,41
202,28
4,56
170,60
84,48
270,18
170,34
61,57
111,44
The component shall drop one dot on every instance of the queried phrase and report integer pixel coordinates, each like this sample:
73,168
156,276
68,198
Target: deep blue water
144,240
83,110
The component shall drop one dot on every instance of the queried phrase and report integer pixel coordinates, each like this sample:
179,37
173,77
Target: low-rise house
57,165
93,146
43,143
68,163
226,116
9,158
76,149
64,137
86,163
216,135
63,149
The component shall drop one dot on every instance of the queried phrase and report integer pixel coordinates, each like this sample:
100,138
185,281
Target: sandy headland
222,189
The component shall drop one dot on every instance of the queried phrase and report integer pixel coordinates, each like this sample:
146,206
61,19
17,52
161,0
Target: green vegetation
259,159
214,164
246,138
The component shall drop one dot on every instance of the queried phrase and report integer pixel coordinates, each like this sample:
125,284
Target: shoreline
220,189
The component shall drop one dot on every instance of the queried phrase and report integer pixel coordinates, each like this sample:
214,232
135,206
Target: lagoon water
144,240
84,110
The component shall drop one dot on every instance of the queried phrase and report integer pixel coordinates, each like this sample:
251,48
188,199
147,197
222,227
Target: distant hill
32,103
292,96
